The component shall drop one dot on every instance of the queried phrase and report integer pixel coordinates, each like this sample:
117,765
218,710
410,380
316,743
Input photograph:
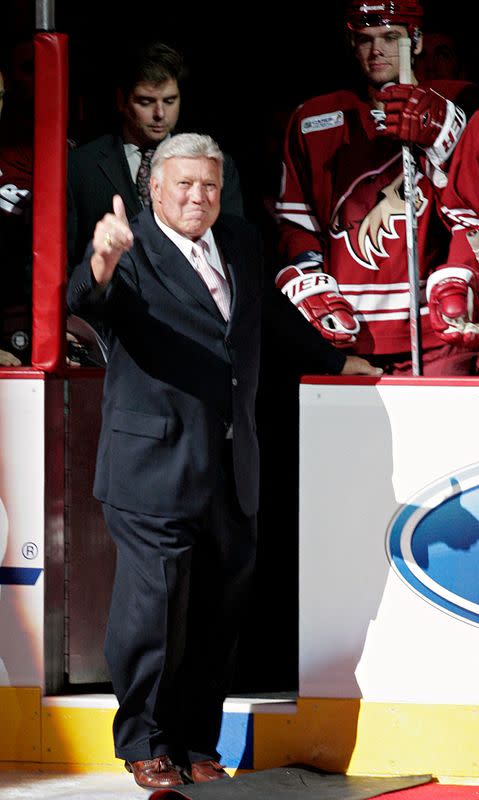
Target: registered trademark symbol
30,550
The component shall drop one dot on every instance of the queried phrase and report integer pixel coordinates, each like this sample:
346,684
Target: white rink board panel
21,531
389,541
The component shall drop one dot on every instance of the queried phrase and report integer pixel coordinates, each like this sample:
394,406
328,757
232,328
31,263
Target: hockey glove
318,298
452,294
422,116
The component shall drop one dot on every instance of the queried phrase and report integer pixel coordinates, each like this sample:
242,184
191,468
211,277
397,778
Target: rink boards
389,535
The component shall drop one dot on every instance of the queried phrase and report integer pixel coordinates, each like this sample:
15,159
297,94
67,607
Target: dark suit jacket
178,375
97,171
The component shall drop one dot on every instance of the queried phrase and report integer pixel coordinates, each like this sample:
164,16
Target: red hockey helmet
390,12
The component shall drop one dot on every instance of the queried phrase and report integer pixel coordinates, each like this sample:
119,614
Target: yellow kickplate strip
361,738
20,724
78,736
340,735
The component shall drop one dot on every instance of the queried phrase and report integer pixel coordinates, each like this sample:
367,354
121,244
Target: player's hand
112,237
453,297
412,113
355,365
318,298
9,360
74,348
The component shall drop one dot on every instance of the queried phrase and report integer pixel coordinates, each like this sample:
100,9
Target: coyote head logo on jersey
367,214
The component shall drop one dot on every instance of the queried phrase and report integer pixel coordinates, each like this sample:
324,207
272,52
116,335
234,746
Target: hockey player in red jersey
453,292
16,184
12,201
341,210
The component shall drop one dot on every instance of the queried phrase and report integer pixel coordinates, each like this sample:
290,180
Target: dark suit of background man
177,467
148,101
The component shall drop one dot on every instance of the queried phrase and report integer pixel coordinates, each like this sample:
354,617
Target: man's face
187,196
377,51
150,112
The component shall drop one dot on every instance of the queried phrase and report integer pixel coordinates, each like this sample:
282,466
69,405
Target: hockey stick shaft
409,170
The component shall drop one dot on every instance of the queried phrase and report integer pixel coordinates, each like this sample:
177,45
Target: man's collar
132,147
183,242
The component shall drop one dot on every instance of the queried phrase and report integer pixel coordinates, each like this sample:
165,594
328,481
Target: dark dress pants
179,590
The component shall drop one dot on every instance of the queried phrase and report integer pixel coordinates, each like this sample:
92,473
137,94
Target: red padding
49,200
432,791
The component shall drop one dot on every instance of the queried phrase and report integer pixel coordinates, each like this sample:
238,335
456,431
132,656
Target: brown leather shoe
156,773
205,771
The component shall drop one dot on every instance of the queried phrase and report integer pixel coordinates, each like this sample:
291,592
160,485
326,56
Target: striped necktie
216,283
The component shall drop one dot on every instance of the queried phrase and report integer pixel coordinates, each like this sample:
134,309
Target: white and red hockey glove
423,116
318,298
453,296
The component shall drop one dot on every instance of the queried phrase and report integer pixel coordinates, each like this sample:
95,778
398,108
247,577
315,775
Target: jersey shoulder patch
322,122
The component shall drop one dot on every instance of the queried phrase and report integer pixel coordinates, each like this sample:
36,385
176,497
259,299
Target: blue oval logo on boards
433,543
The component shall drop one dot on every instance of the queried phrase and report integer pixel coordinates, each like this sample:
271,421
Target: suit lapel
234,259
112,162
174,268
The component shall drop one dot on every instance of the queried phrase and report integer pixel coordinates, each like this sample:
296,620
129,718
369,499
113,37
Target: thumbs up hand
111,238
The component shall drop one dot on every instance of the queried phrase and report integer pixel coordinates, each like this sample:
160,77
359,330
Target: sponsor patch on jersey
367,7
433,543
322,122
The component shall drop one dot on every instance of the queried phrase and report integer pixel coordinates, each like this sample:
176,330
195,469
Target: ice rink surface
41,785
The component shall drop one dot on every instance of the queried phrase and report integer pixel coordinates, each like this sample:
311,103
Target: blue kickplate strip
236,740
19,576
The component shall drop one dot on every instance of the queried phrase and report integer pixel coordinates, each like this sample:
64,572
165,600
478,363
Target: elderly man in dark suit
148,101
180,293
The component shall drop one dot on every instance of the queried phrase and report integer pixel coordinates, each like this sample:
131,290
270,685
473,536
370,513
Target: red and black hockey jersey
460,198
341,209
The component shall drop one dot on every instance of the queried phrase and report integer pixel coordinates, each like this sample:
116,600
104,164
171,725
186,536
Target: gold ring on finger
108,240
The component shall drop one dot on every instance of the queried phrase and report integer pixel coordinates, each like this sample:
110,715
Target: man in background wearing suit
180,294
148,102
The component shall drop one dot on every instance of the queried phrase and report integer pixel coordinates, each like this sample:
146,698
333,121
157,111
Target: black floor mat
298,781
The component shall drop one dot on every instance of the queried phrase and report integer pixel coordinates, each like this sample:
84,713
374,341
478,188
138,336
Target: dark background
250,65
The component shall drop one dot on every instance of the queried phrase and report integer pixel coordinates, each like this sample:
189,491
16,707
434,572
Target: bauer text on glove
318,298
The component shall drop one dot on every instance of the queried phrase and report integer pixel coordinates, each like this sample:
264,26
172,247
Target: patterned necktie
143,177
216,283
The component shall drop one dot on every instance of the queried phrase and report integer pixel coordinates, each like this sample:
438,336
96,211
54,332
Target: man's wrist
97,271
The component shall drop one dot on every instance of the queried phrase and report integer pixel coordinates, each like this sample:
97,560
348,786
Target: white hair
186,145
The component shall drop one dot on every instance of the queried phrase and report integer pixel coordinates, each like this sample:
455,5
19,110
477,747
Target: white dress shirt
186,246
133,156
